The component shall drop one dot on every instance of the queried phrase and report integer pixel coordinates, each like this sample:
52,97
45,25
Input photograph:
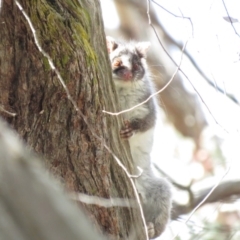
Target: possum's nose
123,73
127,75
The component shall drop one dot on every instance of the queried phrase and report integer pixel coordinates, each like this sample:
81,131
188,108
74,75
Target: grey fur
133,87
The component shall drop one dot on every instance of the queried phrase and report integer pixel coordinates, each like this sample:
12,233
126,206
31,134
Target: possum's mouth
123,74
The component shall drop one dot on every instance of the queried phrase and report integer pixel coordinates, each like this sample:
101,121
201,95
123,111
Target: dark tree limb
225,191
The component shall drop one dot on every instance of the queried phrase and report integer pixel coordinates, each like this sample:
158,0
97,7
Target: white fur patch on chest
141,147
129,94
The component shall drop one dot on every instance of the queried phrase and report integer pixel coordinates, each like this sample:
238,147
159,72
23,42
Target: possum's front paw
151,230
126,131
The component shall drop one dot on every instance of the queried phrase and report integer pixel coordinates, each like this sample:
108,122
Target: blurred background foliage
198,135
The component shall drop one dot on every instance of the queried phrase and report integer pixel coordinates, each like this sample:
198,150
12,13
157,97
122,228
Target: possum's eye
117,63
135,66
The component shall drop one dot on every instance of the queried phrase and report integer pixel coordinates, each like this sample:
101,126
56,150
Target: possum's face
128,60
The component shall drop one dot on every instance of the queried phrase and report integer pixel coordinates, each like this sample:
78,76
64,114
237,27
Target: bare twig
148,12
139,174
205,77
103,202
9,113
230,19
182,16
186,188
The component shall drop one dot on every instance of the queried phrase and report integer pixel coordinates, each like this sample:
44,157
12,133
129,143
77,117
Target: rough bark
71,33
32,205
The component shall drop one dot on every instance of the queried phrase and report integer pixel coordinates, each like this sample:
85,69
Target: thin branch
139,174
208,80
5,111
191,59
179,186
103,202
230,19
182,16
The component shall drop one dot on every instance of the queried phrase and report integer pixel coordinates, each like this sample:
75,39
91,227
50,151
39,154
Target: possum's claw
126,131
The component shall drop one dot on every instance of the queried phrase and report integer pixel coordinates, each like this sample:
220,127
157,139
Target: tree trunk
70,34
41,210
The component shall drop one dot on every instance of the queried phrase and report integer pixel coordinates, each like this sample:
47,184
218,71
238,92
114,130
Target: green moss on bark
51,30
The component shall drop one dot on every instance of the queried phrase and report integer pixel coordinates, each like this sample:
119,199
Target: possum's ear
142,48
111,44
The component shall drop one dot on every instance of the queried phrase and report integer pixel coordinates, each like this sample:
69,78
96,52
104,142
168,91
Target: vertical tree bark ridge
32,205
71,32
